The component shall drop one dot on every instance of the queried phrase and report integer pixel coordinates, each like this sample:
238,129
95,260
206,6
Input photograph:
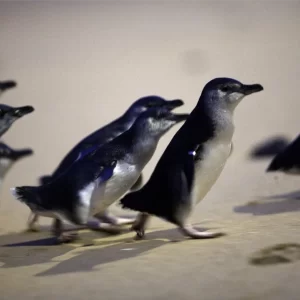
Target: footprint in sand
278,254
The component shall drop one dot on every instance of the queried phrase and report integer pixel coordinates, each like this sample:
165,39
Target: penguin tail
44,179
28,195
272,167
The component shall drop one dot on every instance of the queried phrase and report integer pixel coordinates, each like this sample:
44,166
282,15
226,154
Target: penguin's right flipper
8,84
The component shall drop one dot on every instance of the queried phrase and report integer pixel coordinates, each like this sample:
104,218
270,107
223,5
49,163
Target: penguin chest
124,176
209,168
5,164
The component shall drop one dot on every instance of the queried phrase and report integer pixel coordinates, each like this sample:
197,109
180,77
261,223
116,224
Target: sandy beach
81,65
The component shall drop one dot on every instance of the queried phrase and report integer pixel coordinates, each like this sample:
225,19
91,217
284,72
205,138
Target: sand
81,65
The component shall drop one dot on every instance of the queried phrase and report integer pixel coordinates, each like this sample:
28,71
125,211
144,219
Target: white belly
209,169
5,164
125,175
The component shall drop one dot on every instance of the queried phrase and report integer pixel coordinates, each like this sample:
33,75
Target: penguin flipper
177,182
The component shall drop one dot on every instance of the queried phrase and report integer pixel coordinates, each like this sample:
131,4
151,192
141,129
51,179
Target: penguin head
227,92
9,114
157,121
148,102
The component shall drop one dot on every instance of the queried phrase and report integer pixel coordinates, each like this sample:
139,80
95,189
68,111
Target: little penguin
102,174
6,85
287,160
193,160
104,135
9,156
8,115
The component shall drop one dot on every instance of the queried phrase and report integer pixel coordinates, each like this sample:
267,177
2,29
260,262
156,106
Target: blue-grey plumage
7,85
8,115
104,135
103,174
193,160
9,156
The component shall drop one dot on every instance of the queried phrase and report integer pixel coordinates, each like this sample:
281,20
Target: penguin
9,156
287,160
8,115
269,147
193,160
104,135
7,85
101,175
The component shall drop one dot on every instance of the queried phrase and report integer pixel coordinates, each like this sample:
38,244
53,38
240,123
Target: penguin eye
225,88
151,104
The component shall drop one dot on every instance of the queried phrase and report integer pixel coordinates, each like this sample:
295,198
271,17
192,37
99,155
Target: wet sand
82,65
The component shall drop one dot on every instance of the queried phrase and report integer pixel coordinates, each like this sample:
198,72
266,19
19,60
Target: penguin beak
22,111
250,89
22,153
172,104
178,117
9,84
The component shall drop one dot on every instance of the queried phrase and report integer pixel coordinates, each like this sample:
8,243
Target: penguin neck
143,144
220,117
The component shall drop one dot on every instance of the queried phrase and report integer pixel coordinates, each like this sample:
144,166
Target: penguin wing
88,149
172,194
87,171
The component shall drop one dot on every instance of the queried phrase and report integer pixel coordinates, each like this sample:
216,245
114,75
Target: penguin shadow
25,249
30,248
125,248
274,204
277,254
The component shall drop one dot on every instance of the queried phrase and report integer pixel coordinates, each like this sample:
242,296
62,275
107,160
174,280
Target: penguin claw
69,237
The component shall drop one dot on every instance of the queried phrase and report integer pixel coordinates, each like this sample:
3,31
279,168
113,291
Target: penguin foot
67,237
63,237
195,234
32,225
139,225
104,227
109,218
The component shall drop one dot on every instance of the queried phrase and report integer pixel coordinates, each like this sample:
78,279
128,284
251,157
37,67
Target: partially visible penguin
9,156
193,160
8,115
7,85
104,135
287,160
102,175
